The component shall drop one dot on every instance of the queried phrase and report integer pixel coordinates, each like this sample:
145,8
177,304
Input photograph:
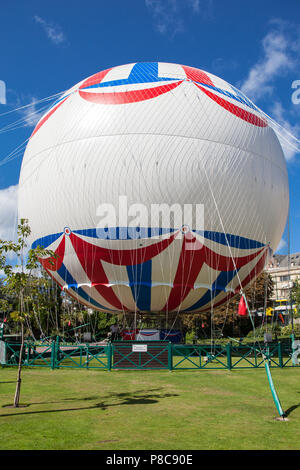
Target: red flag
69,324
281,318
5,320
242,311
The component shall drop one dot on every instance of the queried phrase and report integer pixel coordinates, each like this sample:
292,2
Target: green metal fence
131,355
231,356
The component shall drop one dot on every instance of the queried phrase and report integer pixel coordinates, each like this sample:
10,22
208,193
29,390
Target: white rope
48,98
291,140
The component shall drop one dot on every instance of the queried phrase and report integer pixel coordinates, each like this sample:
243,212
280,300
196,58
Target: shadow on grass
110,395
291,409
125,399
62,400
136,392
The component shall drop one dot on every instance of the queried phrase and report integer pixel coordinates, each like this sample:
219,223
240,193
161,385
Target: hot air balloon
127,145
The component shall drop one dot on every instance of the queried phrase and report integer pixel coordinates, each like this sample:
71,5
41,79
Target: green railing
56,355
164,355
155,356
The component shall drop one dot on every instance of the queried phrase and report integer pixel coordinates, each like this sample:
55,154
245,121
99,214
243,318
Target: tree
295,296
18,282
224,319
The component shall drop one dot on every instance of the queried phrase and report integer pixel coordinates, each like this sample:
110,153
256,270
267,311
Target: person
114,332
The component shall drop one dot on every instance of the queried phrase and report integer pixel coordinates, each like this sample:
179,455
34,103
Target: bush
189,337
275,329
287,330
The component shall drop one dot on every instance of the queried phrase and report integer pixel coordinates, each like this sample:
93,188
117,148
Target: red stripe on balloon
90,259
124,97
109,295
236,110
54,279
227,263
45,118
253,273
70,292
94,79
54,263
87,251
192,258
197,75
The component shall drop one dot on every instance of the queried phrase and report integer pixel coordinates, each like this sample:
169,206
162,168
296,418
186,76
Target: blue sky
46,47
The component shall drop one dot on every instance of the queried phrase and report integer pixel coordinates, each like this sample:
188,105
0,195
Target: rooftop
282,261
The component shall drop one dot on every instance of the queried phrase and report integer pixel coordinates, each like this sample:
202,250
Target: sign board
296,353
268,338
139,347
148,334
87,337
2,352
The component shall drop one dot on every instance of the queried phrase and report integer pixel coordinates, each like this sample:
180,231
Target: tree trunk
18,387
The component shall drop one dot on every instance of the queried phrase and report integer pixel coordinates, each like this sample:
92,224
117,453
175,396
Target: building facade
284,272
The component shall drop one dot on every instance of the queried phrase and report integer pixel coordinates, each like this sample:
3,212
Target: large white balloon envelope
128,145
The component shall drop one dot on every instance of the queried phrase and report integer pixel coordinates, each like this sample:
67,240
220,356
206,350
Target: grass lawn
149,410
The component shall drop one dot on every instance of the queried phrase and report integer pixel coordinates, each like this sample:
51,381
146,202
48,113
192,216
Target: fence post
228,351
280,354
87,356
57,356
268,354
26,362
54,354
53,348
109,356
170,356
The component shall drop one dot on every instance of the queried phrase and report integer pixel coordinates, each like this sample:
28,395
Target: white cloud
165,14
15,269
281,245
168,14
277,59
31,114
8,212
29,108
286,132
195,5
280,56
9,220
53,32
